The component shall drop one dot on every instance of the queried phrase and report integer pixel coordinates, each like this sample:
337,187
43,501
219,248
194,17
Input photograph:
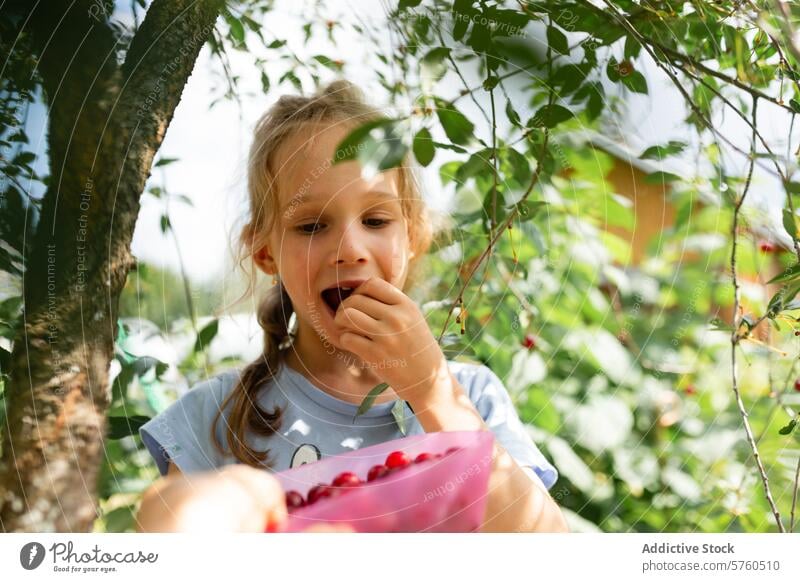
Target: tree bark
106,122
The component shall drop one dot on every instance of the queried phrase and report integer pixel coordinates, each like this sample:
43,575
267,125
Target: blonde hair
339,103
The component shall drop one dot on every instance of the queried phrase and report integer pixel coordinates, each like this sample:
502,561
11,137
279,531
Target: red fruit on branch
797,385
766,247
376,472
294,500
529,341
690,390
624,68
397,460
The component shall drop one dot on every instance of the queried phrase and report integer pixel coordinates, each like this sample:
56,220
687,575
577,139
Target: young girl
343,249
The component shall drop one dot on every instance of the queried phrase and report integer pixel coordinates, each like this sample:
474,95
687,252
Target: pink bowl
441,495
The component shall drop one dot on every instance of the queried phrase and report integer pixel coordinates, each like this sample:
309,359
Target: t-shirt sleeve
493,402
182,432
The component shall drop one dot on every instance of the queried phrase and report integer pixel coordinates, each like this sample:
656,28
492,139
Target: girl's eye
304,228
381,222
312,227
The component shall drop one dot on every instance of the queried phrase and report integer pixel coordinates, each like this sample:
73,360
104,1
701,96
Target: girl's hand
235,498
386,329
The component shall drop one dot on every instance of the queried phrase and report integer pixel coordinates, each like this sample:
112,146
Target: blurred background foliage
606,304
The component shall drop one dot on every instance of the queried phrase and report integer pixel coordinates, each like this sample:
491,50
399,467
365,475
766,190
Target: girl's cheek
398,264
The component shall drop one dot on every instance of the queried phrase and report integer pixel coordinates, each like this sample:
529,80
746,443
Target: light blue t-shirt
316,424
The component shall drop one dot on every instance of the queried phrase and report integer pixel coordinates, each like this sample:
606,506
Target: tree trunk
106,122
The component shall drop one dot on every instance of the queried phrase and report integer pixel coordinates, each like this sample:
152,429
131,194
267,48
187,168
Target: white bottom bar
389,557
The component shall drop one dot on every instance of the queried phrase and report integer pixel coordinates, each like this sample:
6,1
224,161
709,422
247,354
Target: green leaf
205,335
165,162
527,209
458,128
462,10
237,30
660,152
348,148
557,40
636,82
432,67
789,223
788,274
399,414
512,114
612,70
478,163
550,116
795,105
789,427
123,426
404,4
369,399
165,223
521,168
23,158
781,298
596,102
377,146
661,178
632,47
423,147
327,62
491,82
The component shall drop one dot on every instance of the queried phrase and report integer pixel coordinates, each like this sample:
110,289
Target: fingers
355,320
380,290
356,344
372,307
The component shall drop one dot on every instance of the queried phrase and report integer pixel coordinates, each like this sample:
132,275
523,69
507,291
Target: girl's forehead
305,169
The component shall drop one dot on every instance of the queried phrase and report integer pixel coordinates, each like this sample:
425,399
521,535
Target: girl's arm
518,500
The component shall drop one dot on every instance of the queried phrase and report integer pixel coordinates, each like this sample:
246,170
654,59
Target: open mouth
334,296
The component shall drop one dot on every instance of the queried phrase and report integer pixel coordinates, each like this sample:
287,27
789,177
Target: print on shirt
305,454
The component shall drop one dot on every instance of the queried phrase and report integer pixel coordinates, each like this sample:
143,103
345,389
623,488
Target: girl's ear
264,261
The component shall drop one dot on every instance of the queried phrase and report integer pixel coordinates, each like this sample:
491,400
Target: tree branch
735,333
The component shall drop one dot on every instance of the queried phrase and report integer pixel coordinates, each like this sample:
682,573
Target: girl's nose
352,246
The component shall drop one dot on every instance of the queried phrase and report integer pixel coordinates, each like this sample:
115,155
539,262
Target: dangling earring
274,280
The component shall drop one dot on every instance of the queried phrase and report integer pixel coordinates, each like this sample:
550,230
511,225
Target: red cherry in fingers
346,479
376,472
397,460
422,457
294,500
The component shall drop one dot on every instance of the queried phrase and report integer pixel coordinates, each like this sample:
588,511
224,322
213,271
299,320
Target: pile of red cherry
346,481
